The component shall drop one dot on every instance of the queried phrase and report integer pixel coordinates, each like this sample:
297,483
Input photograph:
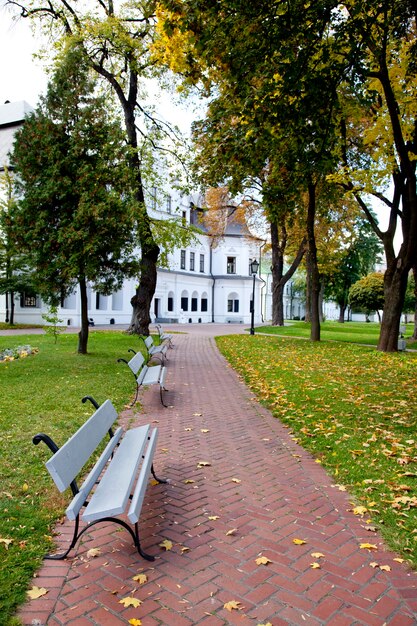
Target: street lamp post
254,266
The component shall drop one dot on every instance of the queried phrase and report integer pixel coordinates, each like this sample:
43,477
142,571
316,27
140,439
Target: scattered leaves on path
130,601
167,544
233,605
141,578
37,592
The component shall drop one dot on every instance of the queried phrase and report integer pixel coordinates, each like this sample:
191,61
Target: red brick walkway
258,492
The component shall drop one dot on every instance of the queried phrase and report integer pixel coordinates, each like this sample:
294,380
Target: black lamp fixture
254,266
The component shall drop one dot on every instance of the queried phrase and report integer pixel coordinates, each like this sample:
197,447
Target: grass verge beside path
42,393
351,332
355,410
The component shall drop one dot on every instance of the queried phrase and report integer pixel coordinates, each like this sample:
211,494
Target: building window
233,306
184,303
231,265
170,306
204,305
192,261
183,259
201,262
184,217
28,300
169,204
194,304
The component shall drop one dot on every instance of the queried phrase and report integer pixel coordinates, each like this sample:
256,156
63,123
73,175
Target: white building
203,283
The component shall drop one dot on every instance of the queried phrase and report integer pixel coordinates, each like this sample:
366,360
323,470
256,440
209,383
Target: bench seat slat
66,463
115,486
150,375
140,489
77,502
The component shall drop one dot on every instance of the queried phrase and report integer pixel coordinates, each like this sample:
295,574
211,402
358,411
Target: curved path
255,493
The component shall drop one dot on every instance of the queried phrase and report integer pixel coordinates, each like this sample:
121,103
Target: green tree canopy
367,294
76,216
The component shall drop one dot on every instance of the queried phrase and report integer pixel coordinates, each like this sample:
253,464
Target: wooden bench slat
115,486
66,463
140,489
84,491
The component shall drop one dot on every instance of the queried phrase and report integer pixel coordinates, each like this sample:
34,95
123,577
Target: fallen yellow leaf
233,605
315,565
135,622
385,568
262,560
236,480
6,542
232,531
36,592
93,552
374,564
360,510
214,517
267,624
368,546
184,549
130,601
197,414
188,481
167,544
141,578
187,430
399,560
203,464
299,542
205,430
317,555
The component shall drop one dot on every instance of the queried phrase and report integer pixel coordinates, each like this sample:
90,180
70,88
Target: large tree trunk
141,301
313,270
279,279
83,334
342,311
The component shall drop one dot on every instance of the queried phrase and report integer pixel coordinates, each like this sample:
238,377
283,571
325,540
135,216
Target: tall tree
76,216
116,39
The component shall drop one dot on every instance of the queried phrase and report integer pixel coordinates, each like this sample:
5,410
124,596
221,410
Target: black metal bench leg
162,481
75,537
143,554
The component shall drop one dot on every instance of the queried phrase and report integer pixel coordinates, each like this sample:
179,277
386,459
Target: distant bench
117,483
158,351
145,374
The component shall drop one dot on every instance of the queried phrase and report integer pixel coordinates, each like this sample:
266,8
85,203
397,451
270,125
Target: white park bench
117,483
145,374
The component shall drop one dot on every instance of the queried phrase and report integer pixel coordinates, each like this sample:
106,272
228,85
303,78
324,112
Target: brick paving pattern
239,488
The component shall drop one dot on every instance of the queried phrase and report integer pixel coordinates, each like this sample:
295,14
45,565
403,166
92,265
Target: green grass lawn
352,332
355,409
42,393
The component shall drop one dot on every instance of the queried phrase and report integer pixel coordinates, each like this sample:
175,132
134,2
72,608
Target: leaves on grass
360,510
167,544
130,601
37,592
6,542
233,605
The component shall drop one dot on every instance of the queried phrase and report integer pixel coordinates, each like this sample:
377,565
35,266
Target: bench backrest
136,362
67,462
149,342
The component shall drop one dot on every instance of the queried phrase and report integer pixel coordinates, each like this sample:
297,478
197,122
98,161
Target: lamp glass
254,266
